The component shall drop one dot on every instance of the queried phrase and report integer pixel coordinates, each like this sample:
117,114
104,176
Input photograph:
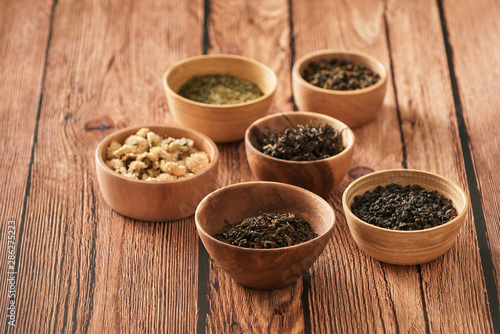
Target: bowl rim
221,56
255,150
271,184
327,52
133,129
460,216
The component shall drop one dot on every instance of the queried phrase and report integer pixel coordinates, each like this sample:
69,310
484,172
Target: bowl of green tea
264,235
309,150
220,89
404,216
347,85
219,95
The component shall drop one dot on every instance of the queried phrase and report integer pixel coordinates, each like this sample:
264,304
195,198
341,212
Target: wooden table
74,71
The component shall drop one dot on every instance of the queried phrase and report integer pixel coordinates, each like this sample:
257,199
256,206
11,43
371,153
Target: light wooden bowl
405,247
354,107
320,176
222,123
263,268
156,200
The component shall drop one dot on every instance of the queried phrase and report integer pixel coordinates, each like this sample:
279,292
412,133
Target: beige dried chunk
110,151
173,168
196,162
153,139
141,144
166,177
125,150
142,132
117,165
136,167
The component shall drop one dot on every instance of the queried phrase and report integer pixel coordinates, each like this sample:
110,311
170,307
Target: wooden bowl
263,268
353,107
320,176
156,200
222,123
405,247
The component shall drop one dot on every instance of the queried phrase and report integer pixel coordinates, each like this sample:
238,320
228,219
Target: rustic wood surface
74,71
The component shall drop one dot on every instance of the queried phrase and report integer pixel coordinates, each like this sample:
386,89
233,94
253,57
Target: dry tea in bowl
220,89
339,74
267,231
407,208
302,142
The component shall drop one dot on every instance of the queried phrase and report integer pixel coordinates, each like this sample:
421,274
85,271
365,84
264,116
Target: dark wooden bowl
320,176
156,200
263,268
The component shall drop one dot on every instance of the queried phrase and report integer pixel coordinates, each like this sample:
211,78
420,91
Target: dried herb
267,231
339,75
403,208
220,89
302,143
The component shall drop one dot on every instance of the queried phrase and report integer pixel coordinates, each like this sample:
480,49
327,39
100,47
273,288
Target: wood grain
350,291
84,268
477,76
259,30
431,136
24,34
82,265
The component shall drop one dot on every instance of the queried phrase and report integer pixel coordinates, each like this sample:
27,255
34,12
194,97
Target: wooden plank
473,35
84,267
24,30
402,298
259,30
351,292
432,142
428,121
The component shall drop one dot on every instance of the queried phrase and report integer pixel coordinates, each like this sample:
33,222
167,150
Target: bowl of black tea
347,85
404,216
264,235
219,95
268,230
309,150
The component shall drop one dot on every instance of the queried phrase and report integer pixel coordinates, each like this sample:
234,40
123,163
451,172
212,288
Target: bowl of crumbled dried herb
264,235
156,172
404,216
219,95
347,85
309,150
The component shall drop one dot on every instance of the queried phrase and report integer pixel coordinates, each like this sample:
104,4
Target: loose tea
302,143
220,89
403,208
339,75
267,231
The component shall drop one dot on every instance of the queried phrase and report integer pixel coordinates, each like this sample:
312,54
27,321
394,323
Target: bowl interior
280,122
426,180
237,202
201,143
356,57
241,67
